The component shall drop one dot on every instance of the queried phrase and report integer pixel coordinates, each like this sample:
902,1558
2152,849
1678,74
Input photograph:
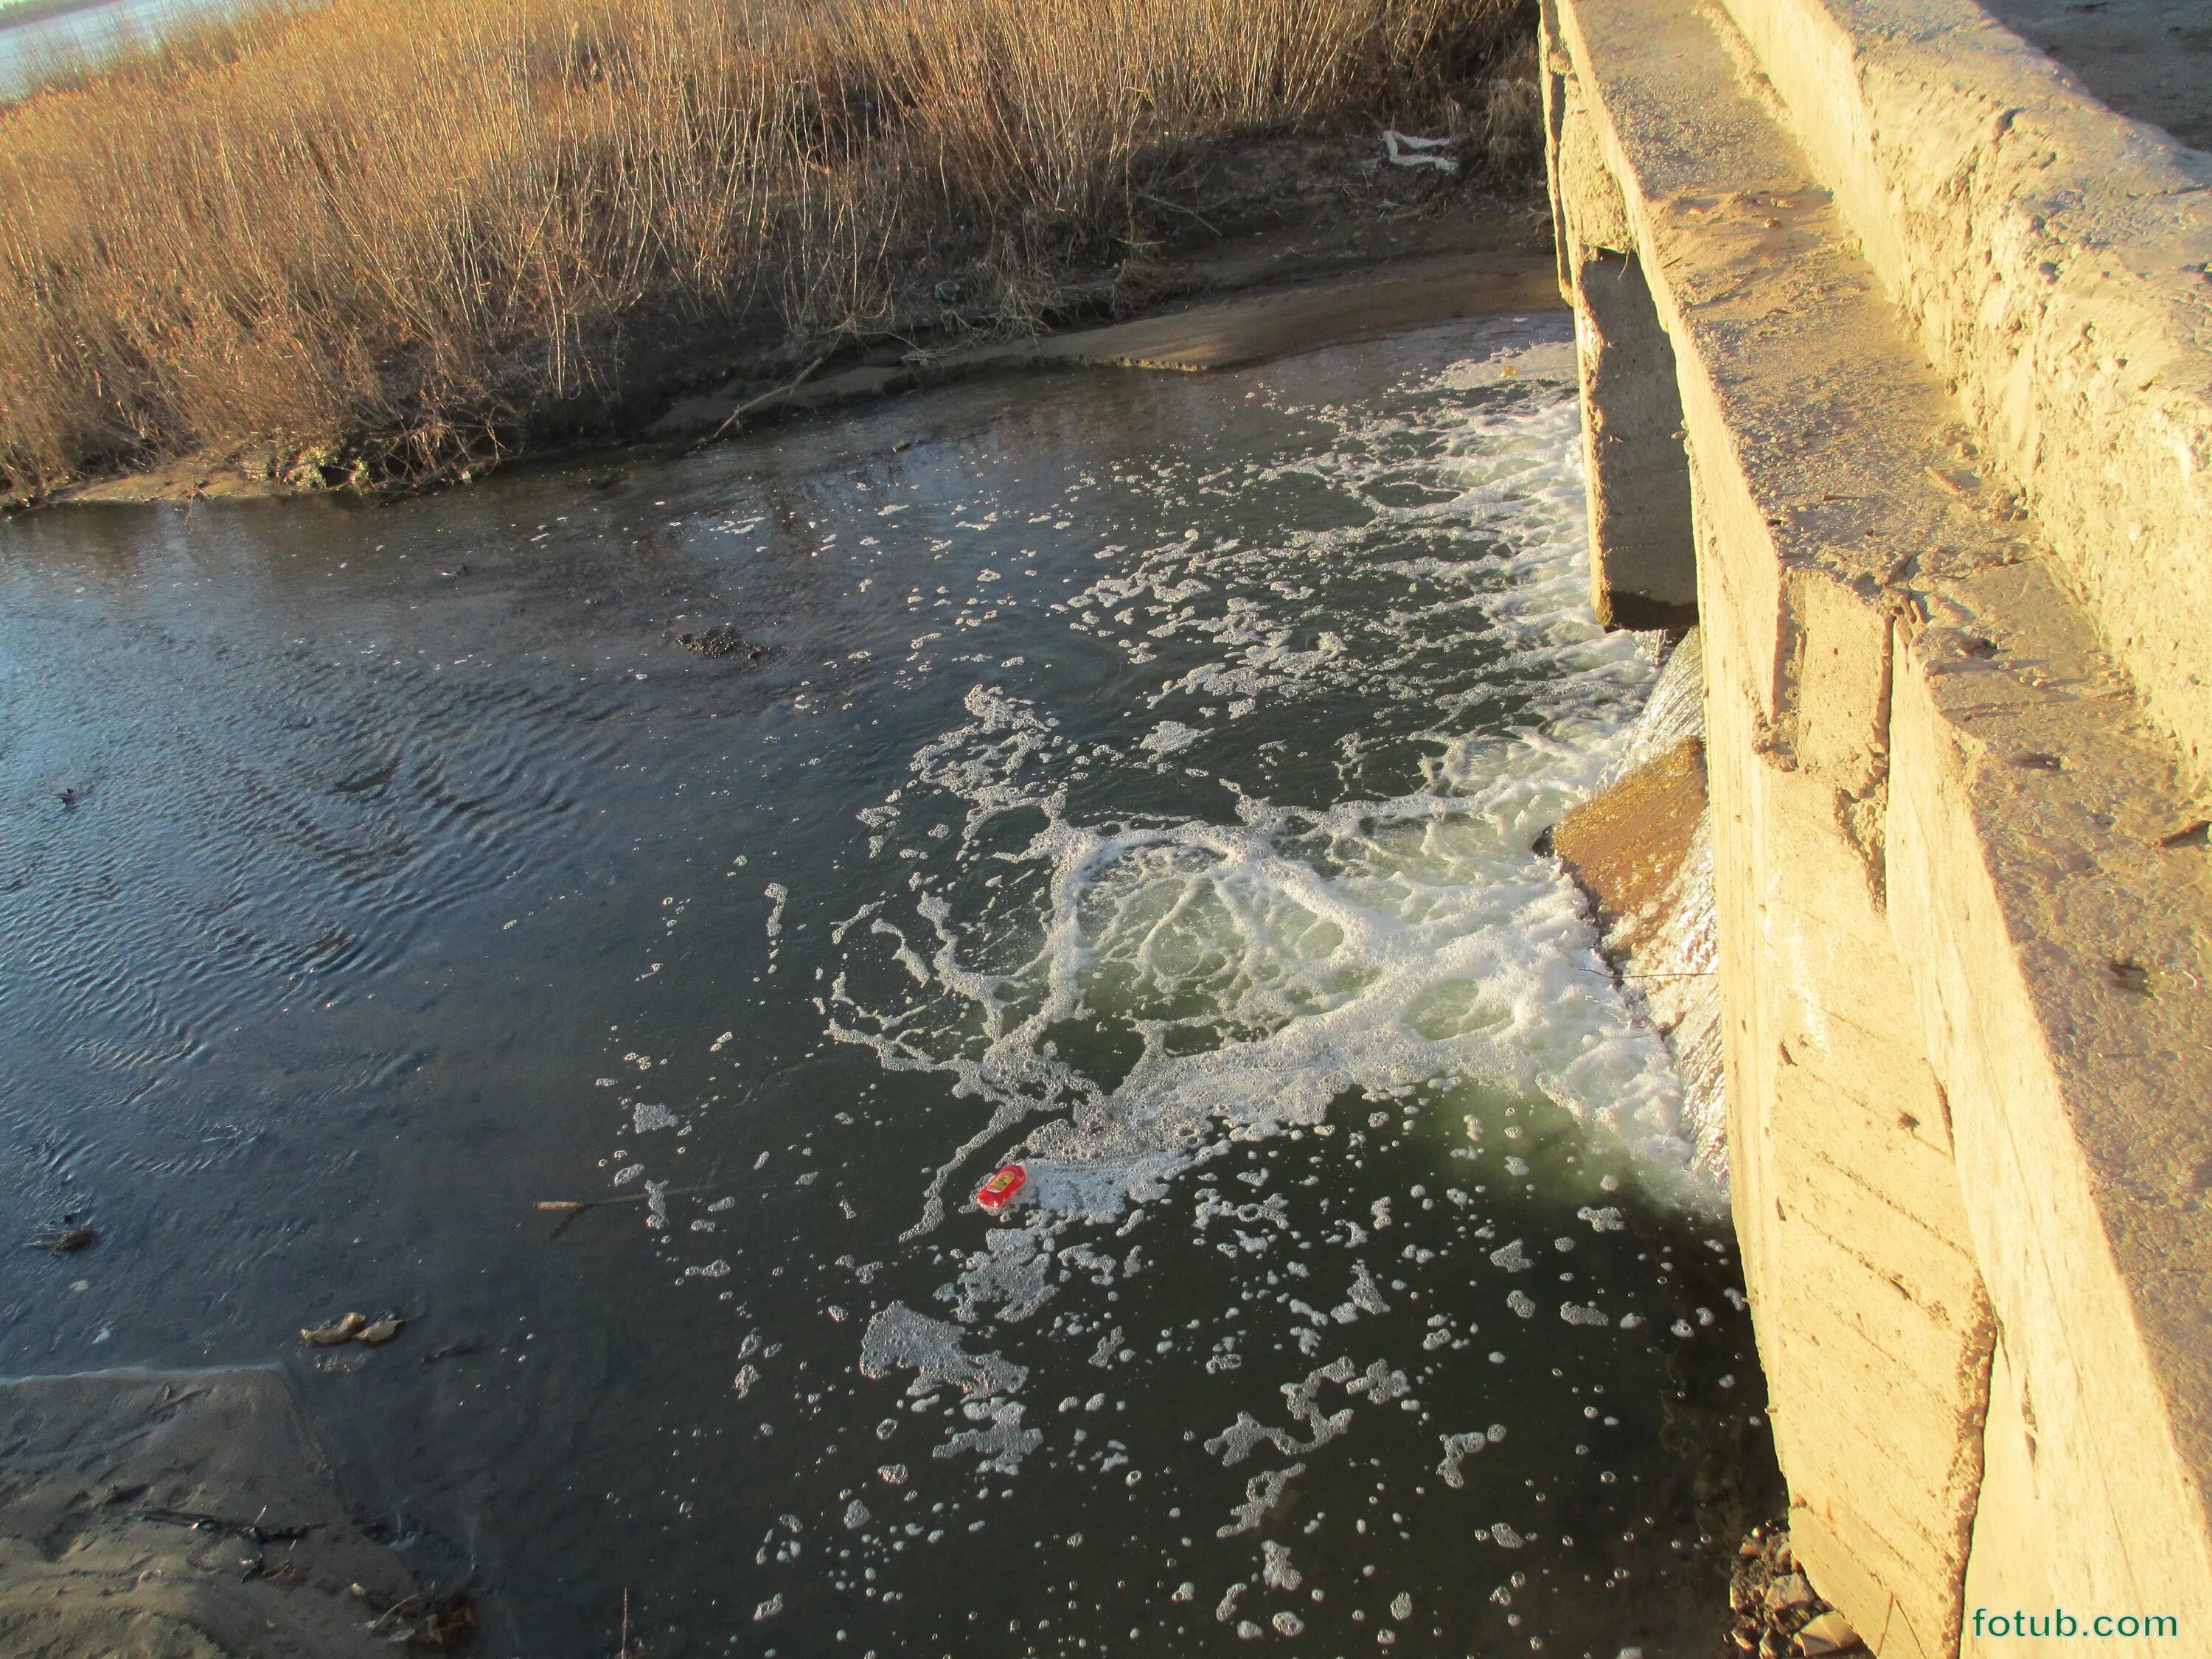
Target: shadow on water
369,875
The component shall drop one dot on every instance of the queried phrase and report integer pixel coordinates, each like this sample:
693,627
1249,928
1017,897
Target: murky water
1133,773
31,50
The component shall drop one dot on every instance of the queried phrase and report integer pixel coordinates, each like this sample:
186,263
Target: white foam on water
1458,1448
1261,1493
1002,1444
899,1338
1253,965
1235,1443
1265,967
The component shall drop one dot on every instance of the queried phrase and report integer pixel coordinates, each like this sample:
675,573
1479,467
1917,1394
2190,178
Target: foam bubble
1261,1493
1458,1448
898,1338
1002,1444
1131,972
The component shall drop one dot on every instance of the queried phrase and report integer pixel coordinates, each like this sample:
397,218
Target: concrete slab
1955,682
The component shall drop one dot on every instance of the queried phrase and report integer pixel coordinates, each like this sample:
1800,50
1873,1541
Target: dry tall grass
409,230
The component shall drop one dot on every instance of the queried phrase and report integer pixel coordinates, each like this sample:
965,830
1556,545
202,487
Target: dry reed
400,235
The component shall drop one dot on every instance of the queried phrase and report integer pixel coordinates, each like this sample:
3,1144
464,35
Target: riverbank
1257,309
182,1514
367,247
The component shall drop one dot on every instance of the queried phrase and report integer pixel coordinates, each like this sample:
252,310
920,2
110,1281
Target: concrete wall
1939,332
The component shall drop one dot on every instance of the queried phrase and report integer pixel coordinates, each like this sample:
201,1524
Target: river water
1137,774
29,52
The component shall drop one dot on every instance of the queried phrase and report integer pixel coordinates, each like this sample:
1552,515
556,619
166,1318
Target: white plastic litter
1409,151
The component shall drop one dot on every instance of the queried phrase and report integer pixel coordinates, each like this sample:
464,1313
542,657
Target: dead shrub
395,236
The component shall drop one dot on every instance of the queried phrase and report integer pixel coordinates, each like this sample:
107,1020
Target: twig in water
253,1529
570,1208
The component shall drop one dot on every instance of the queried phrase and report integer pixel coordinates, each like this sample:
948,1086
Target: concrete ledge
2055,262
2058,955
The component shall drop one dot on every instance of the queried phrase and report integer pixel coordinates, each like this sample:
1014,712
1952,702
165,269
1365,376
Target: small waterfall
1642,850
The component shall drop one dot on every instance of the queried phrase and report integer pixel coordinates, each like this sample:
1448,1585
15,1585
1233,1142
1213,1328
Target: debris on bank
1407,151
1774,1610
720,641
354,1327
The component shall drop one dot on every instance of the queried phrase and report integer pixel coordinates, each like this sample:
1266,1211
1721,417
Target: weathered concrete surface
1944,376
1643,561
1627,844
2052,261
2060,951
2151,60
1642,850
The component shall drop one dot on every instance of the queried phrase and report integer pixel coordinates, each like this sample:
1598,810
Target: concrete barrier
1937,330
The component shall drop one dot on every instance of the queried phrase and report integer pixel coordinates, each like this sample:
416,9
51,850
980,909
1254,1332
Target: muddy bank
1323,243
1229,333
189,1515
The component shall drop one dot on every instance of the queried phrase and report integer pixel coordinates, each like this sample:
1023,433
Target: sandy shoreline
189,1515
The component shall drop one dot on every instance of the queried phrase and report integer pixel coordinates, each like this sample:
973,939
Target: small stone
720,641
1830,1632
1789,1592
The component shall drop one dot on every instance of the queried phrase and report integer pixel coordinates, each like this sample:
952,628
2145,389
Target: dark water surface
1146,763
